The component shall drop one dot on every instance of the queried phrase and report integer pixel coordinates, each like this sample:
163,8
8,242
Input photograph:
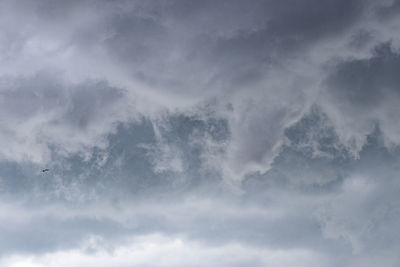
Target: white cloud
159,250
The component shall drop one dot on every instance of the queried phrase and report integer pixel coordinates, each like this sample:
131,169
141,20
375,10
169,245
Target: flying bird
45,170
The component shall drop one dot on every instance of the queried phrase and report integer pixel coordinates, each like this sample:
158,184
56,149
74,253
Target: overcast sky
200,133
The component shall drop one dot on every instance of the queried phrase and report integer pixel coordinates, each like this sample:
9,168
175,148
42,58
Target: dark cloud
40,110
388,11
189,46
42,93
366,90
181,39
229,133
365,83
361,39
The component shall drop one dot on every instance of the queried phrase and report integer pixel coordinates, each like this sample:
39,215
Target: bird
45,170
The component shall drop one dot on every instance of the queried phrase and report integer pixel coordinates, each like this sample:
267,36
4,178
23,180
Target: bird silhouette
45,170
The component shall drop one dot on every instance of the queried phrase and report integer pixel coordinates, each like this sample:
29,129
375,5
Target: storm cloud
199,133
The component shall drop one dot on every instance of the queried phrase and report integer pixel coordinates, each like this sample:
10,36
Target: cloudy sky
200,133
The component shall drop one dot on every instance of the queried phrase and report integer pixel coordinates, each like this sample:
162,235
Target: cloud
304,211
43,111
156,50
228,133
363,93
388,11
141,251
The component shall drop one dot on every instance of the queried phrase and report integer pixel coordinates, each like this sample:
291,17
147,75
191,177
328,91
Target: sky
200,133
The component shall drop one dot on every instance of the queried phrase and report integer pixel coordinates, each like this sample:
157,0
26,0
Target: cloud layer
199,133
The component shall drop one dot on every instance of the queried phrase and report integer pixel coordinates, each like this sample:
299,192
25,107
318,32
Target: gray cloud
43,111
199,133
366,90
388,11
